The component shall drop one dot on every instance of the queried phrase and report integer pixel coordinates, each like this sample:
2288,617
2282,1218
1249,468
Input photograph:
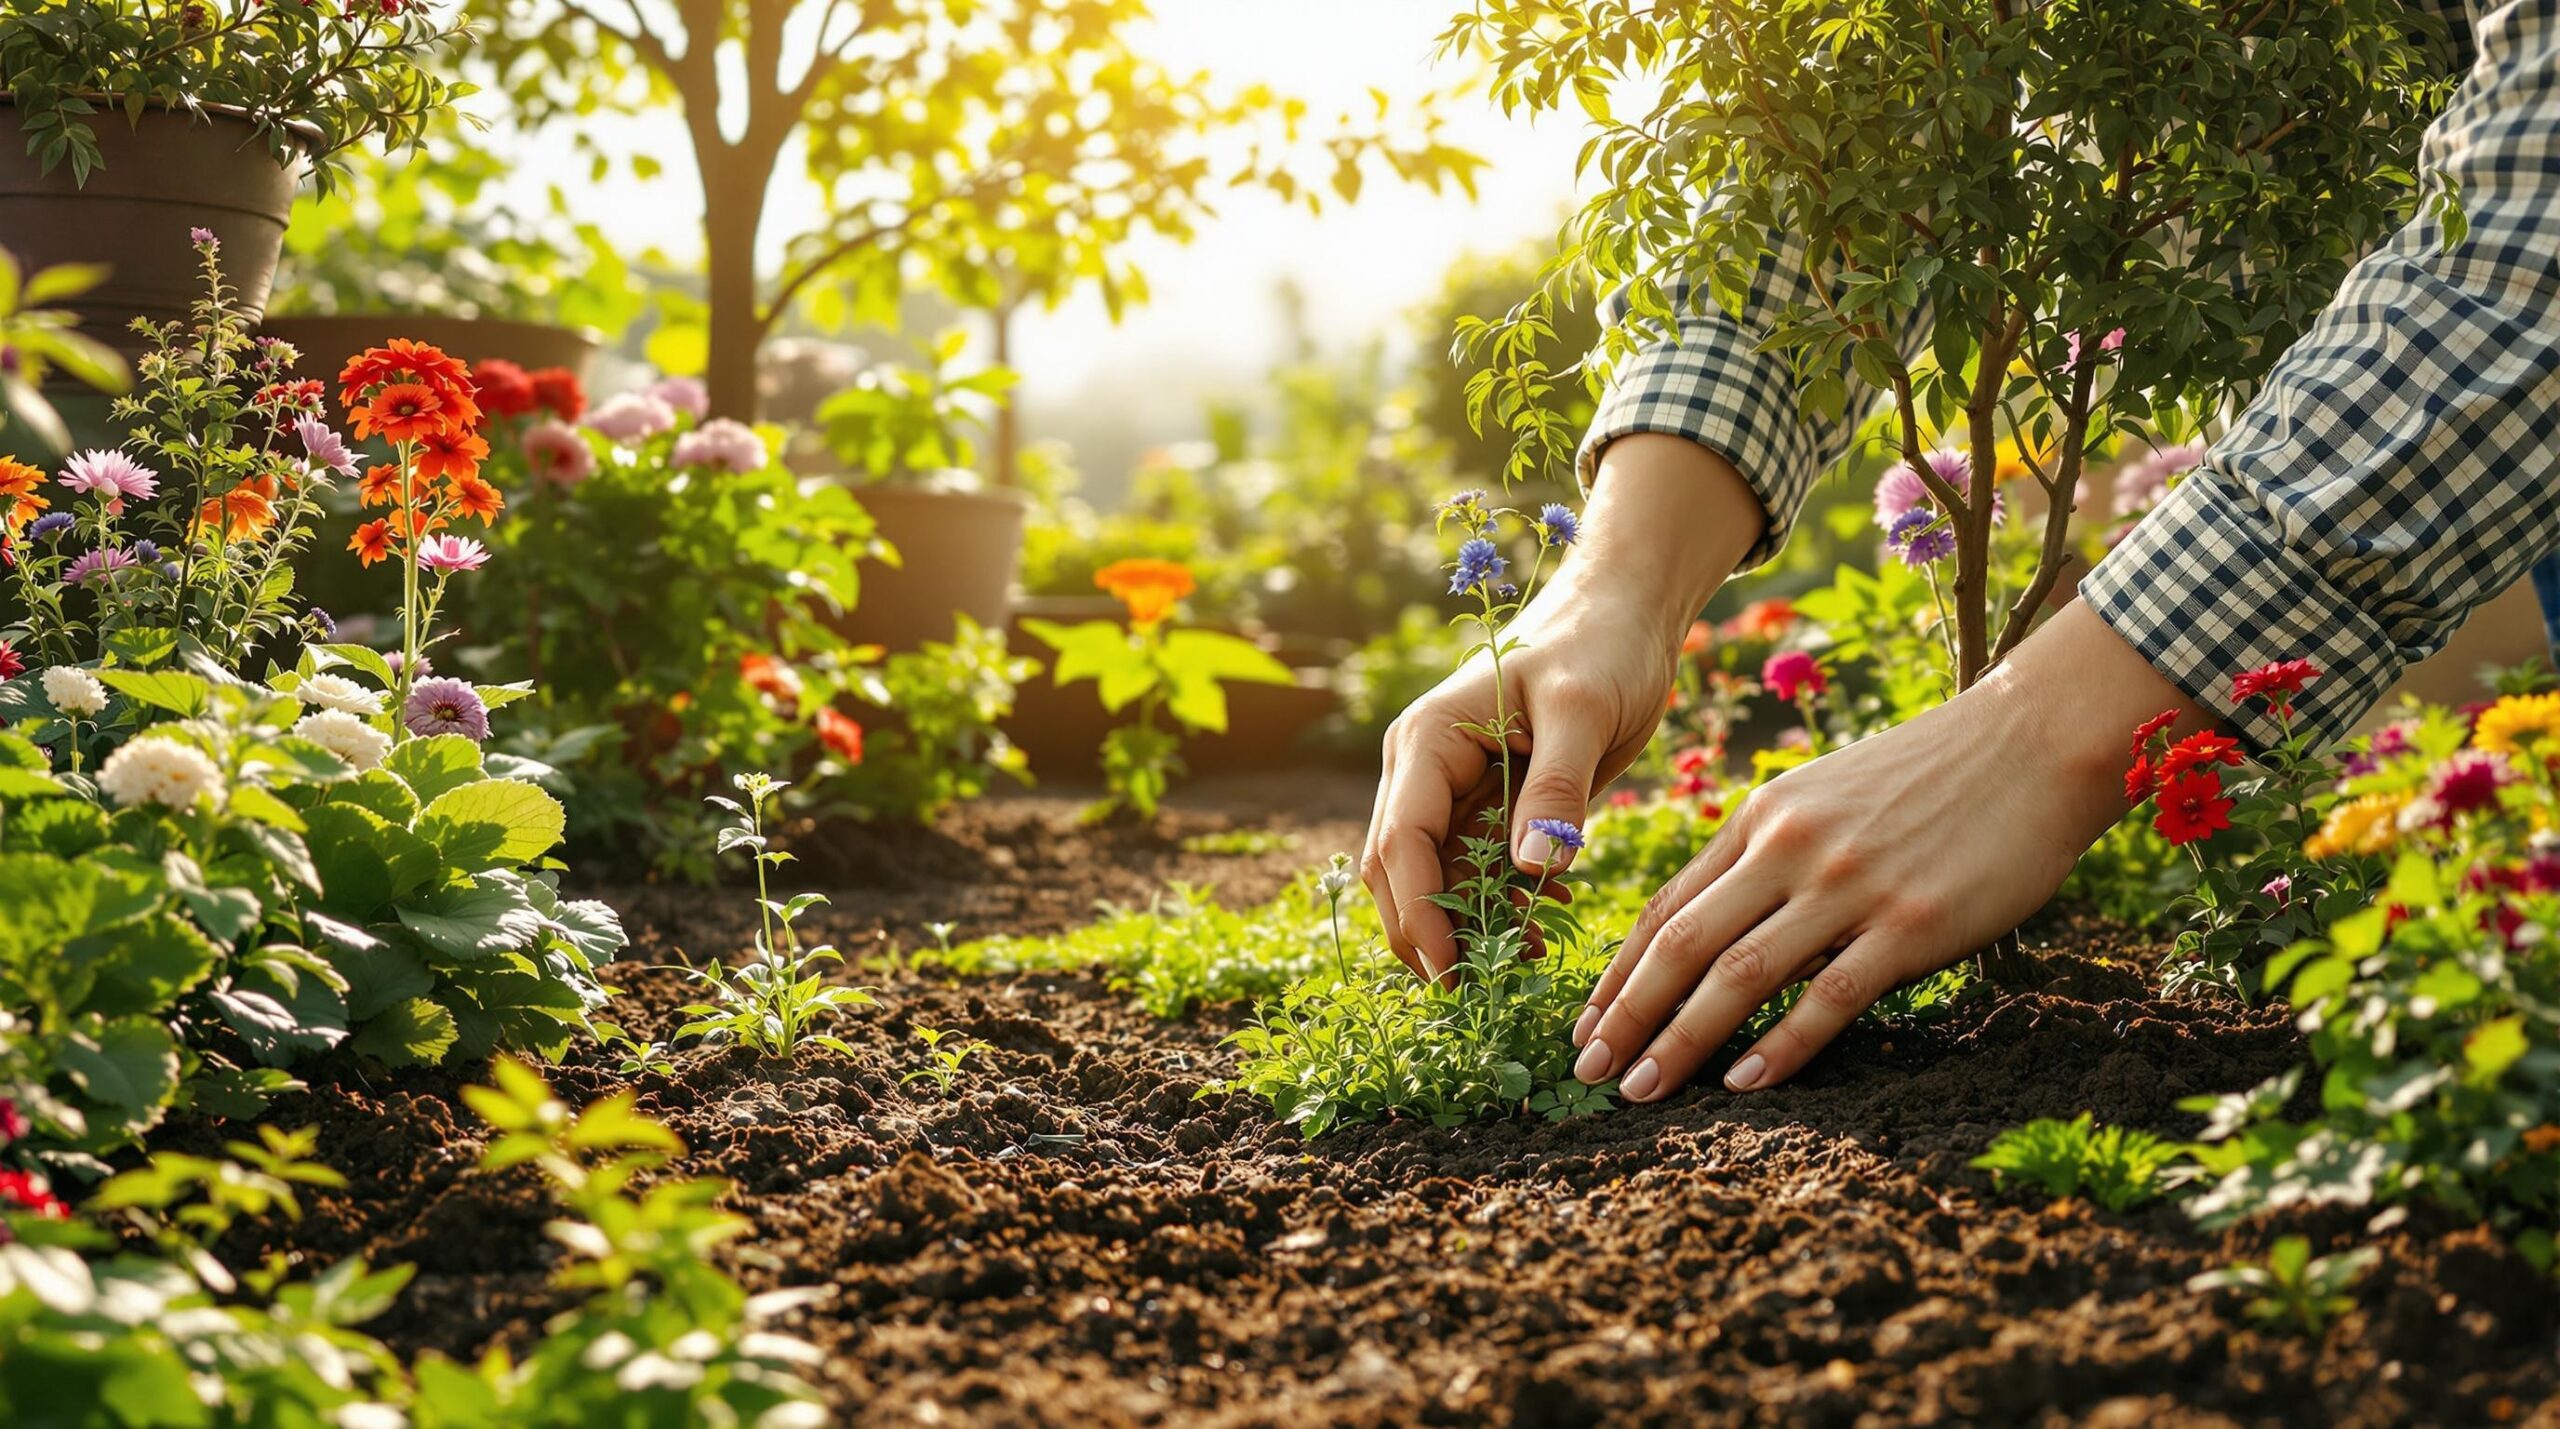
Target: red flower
2143,732
840,734
1793,672
1761,620
403,412
451,453
2139,781
770,677
2277,683
1623,799
504,389
369,375
13,1122
11,667
22,1191
2200,750
2192,806
559,389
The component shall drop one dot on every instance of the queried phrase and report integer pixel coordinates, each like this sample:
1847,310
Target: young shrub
2293,1289
1164,671
2118,1167
942,746
775,1002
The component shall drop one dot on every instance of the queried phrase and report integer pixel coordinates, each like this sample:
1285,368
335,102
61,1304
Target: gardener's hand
1584,689
1876,865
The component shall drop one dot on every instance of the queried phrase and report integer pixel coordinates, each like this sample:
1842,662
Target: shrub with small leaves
2118,1167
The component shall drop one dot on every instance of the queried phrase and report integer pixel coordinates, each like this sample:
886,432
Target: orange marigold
476,499
1147,587
22,496
451,454
372,541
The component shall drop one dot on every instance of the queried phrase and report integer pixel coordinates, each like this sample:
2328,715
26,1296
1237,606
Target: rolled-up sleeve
2401,464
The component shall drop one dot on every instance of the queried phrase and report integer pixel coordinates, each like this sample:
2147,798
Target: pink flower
684,394
1900,490
2142,484
2279,888
1790,673
723,444
632,416
113,475
2110,343
558,454
451,553
2469,780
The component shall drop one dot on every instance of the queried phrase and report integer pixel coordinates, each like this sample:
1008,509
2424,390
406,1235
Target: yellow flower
2366,825
2518,724
2013,457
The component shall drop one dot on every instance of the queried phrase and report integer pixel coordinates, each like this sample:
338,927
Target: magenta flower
446,554
1790,673
203,238
2469,780
558,454
631,416
722,444
445,706
683,394
2279,888
324,446
2110,343
105,561
113,475
1900,489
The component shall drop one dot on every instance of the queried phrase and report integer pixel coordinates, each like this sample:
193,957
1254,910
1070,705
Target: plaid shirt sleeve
2402,463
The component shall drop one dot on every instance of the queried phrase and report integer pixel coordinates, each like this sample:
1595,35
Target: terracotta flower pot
1060,727
327,341
158,177
957,553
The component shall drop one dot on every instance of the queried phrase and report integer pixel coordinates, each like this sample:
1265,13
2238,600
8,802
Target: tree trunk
729,226
1006,458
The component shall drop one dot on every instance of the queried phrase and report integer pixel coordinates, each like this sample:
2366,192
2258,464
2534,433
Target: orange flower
20,488
381,487
770,677
455,454
840,734
372,541
475,498
1147,587
2540,1139
245,513
405,362
403,412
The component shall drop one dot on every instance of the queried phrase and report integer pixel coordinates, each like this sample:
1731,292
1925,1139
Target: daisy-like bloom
445,706
1147,588
558,391
2200,750
1790,673
449,453
94,565
1762,620
2276,683
404,412
22,498
683,394
338,693
48,524
2365,825
556,453
403,362
503,388
2192,806
476,499
1480,564
2140,779
74,691
2148,729
1558,527
1565,833
11,666
153,770
2469,779
447,554
840,734
723,445
372,542
324,446
1901,490
113,475
770,678
345,735
2527,726
1920,538
631,416
382,486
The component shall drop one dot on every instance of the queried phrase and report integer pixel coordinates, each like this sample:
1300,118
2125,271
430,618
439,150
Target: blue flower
1566,833
49,523
328,623
1911,537
1479,564
1558,526
146,551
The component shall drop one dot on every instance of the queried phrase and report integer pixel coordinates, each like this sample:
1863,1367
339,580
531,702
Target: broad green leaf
415,1033
142,968
435,765
494,823
477,922
181,694
132,1063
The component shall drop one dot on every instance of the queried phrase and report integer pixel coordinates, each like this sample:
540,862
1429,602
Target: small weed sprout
2293,1288
775,1002
943,1066
2115,1166
632,1057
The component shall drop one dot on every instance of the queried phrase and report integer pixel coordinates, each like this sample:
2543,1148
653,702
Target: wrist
2068,699
1667,522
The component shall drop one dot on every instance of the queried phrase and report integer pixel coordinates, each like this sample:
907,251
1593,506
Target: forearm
1667,522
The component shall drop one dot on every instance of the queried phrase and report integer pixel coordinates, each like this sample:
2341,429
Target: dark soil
1071,1238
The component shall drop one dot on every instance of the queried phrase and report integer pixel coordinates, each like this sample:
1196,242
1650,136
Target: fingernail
1582,1025
1593,1064
1746,1073
1639,1084
1537,848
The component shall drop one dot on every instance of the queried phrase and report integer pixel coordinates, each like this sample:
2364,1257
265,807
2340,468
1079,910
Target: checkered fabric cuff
1739,404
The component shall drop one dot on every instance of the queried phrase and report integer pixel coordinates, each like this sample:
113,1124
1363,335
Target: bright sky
1211,321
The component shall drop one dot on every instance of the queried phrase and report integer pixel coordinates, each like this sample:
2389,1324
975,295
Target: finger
1416,820
1700,873
1742,978
1564,756
1833,1000
1373,868
1723,918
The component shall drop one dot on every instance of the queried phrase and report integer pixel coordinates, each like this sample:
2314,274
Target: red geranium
2200,750
504,389
559,390
2191,807
1790,673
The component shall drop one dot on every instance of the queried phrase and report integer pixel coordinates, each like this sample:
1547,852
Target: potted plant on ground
142,121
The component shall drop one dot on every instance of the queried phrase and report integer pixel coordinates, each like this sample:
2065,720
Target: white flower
160,771
74,691
1336,879
337,692
345,736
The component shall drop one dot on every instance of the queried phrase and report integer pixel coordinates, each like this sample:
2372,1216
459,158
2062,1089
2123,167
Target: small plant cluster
779,1000
122,1316
1166,672
2118,1167
1184,950
2292,1288
2271,881
940,745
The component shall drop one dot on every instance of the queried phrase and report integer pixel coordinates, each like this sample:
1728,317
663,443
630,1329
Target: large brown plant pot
158,177
957,553
1060,728
326,341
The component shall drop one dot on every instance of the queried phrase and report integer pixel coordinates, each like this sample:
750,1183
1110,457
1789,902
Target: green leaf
362,657
142,968
2493,1047
476,922
435,765
132,1063
251,802
416,1033
494,823
176,691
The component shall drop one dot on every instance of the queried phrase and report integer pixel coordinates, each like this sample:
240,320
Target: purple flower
1479,565
1918,538
203,238
113,475
328,623
146,551
105,561
324,446
1901,488
1566,833
723,444
445,706
49,523
1557,525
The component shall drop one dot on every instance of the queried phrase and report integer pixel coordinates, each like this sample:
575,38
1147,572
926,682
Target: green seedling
776,1002
943,1066
2115,1166
2293,1288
